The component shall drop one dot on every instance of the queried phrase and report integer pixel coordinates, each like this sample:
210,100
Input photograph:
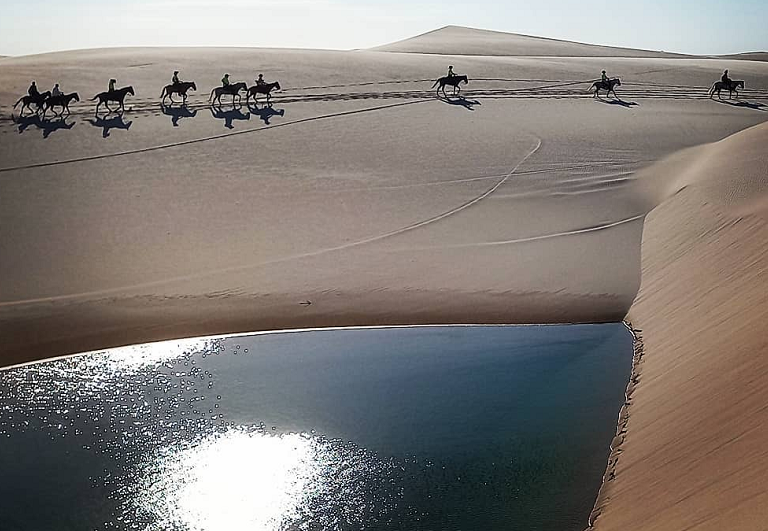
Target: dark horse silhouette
233,90
450,80
177,113
62,101
607,86
732,87
117,95
178,88
116,122
27,101
262,89
47,126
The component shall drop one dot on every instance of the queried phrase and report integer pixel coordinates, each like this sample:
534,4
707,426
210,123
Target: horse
266,88
608,86
28,100
178,88
449,80
117,95
62,100
717,86
233,90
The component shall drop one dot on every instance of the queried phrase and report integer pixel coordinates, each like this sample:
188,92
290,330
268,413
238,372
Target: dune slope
694,453
458,40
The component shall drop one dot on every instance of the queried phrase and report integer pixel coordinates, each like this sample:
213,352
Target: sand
694,450
457,40
360,199
749,56
358,191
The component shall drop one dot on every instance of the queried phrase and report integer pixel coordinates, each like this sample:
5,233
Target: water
457,428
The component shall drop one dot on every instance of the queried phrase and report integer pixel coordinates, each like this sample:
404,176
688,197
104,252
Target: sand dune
457,40
694,452
749,56
357,191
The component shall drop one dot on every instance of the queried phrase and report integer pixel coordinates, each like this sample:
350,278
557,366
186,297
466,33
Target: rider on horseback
56,91
260,81
604,77
112,85
725,79
450,71
32,91
225,81
175,79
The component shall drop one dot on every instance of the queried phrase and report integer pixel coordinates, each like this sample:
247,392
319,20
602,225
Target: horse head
192,85
618,81
240,86
75,96
129,90
277,85
464,79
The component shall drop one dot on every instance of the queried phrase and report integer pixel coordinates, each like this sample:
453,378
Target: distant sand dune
457,40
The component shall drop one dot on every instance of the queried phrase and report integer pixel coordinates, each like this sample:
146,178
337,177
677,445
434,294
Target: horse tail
211,96
712,88
436,82
20,100
162,94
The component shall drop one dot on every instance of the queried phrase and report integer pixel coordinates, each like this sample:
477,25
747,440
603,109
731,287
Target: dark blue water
458,428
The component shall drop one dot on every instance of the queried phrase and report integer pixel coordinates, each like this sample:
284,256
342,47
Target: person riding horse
225,81
727,81
260,81
604,77
175,79
112,85
450,71
56,91
33,92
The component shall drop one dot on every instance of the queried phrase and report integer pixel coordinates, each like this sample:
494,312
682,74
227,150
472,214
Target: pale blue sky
688,26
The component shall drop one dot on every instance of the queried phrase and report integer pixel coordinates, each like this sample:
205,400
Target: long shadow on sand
108,123
177,113
744,104
461,101
47,126
266,112
618,101
229,116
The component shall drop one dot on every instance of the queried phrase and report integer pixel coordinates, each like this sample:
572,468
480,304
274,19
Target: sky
685,26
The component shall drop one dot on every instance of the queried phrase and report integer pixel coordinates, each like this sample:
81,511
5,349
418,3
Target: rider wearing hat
260,81
604,77
450,71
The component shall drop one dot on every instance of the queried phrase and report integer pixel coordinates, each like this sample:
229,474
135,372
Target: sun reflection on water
249,479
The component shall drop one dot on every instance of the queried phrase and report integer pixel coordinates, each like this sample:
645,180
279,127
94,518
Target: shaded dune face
359,193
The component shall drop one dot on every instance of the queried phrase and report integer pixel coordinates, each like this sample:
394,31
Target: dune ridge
459,40
690,450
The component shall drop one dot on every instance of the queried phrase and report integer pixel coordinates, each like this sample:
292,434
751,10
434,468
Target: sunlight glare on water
235,480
